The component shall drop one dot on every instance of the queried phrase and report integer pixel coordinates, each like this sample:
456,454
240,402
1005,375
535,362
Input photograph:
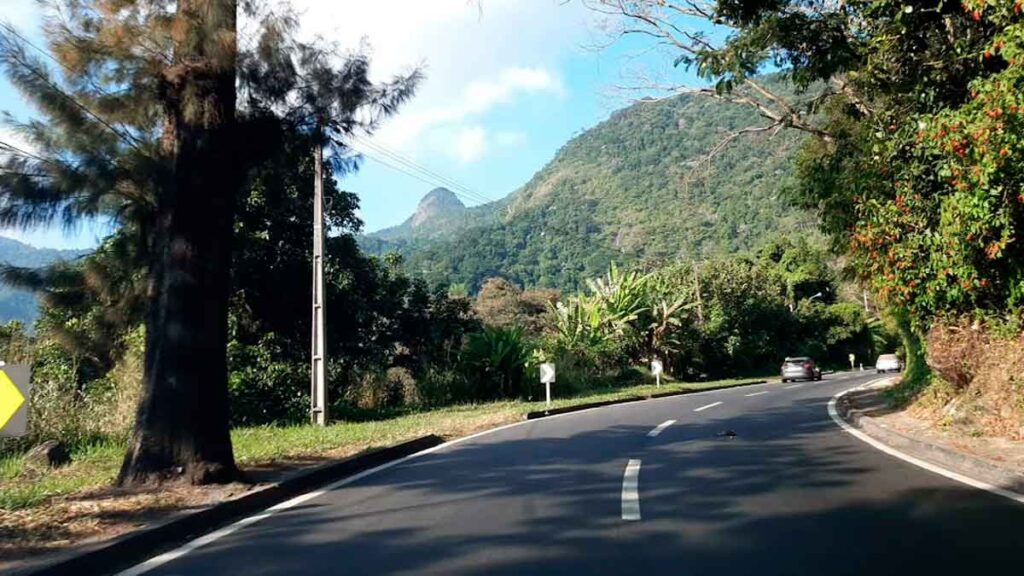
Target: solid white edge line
756,393
631,491
712,405
793,386
660,428
201,541
849,428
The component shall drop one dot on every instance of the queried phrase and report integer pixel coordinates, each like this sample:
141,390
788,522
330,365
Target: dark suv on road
800,368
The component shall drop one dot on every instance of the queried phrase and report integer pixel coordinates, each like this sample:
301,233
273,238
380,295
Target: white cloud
476,55
470,144
22,14
477,98
510,138
480,96
14,138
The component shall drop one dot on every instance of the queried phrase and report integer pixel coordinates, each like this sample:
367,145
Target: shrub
112,401
376,388
956,351
54,409
977,384
264,385
502,304
441,386
495,361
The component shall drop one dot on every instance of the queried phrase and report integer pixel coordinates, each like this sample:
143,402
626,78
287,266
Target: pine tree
140,121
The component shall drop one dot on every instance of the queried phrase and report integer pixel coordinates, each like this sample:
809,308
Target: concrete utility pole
318,381
696,289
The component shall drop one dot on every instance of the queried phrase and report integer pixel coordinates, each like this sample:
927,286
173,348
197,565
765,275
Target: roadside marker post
547,377
657,369
15,391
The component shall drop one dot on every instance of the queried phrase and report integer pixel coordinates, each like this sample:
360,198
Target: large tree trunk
181,428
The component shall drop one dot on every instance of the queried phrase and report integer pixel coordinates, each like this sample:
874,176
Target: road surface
643,488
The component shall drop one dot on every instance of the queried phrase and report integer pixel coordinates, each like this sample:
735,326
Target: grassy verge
94,466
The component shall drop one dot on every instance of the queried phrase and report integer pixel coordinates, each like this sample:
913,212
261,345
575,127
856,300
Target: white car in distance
888,363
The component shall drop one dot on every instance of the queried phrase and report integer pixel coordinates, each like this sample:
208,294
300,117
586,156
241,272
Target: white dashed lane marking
631,491
660,428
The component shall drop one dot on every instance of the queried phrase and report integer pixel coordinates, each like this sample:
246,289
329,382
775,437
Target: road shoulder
865,412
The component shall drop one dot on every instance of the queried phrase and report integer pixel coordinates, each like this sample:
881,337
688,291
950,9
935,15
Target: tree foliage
728,315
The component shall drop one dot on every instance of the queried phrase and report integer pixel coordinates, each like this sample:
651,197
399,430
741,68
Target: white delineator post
547,377
318,380
657,368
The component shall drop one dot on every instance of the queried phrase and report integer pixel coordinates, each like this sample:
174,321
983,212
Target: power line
450,182
11,148
25,174
434,177
399,168
419,177
409,163
125,137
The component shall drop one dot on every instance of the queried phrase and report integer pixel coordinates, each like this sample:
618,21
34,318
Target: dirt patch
980,389
99,515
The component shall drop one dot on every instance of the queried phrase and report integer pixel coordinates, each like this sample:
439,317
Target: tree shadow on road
790,494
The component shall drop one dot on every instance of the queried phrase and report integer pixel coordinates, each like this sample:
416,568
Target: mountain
638,187
18,304
439,214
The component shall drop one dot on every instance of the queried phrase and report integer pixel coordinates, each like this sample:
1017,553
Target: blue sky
507,83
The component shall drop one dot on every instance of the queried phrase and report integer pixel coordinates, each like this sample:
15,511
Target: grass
24,486
94,466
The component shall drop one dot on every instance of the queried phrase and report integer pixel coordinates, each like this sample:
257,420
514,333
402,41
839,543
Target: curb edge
935,459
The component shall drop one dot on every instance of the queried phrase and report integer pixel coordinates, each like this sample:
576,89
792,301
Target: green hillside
18,304
636,187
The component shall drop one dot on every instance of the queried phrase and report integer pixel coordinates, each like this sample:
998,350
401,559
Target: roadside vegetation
415,348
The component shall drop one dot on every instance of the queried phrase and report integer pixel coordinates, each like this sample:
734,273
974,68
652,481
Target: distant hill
438,211
18,304
440,215
636,187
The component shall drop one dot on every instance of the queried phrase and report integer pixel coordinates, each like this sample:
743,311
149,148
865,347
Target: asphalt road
789,494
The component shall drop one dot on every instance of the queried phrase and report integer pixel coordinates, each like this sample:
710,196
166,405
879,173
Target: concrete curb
579,407
964,464
108,556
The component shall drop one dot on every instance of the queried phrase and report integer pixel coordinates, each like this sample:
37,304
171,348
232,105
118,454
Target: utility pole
696,289
318,382
866,301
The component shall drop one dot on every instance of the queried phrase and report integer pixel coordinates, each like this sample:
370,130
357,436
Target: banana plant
663,329
622,297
